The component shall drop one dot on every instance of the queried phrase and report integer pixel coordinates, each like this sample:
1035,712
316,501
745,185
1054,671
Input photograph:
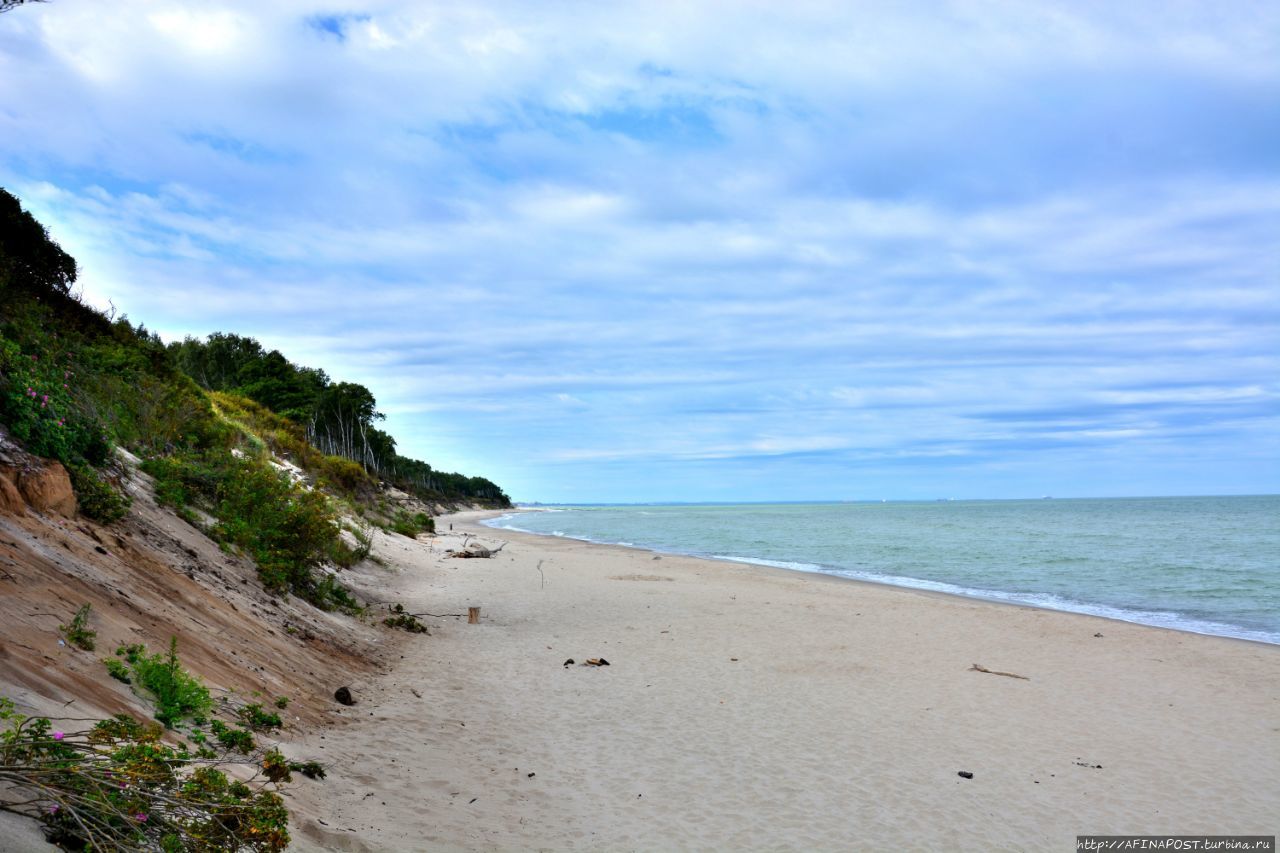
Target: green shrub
347,556
238,740
117,670
400,618
178,694
36,401
342,474
119,786
97,498
257,719
412,525
287,529
310,769
77,632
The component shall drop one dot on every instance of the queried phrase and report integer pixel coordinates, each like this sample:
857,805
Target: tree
6,5
29,259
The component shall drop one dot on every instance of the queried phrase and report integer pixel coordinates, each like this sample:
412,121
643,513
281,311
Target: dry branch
981,668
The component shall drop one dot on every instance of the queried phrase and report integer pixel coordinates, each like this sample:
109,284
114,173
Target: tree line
339,417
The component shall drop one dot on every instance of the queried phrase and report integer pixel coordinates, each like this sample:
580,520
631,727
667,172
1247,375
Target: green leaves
119,786
77,632
178,694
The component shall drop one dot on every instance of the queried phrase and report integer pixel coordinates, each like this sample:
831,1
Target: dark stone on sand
343,695
965,774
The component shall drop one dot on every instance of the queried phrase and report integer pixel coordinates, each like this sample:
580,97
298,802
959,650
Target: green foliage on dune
334,418
119,786
177,693
289,530
204,416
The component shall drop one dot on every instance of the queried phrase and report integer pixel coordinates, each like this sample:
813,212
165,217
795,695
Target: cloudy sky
613,251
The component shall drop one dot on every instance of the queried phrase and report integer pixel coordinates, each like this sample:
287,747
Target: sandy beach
748,708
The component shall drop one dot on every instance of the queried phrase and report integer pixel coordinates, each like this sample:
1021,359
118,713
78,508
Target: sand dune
747,708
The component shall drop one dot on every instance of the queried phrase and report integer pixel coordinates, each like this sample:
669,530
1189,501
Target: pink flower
58,735
140,817
54,809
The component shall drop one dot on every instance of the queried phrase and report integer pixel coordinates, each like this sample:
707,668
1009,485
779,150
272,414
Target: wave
1047,601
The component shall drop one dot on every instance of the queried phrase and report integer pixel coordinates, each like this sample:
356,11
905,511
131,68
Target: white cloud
734,231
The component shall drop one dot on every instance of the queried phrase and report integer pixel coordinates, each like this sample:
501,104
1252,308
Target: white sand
748,708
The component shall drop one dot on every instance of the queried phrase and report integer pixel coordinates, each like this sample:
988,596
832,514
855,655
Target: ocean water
1205,564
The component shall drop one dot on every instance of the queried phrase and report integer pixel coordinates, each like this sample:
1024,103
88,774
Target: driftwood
979,668
476,552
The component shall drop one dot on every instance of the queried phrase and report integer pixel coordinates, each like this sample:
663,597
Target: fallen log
476,552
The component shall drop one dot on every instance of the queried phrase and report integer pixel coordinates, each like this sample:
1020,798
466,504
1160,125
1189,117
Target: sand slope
749,708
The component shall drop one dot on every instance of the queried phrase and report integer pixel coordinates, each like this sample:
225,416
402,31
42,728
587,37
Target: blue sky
700,250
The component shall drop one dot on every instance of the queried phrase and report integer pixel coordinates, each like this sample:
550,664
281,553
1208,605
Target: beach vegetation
234,739
77,632
258,719
177,694
334,419
119,786
404,620
411,524
287,528
204,416
117,669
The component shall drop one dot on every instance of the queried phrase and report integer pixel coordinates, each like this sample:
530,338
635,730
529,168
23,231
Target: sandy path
748,709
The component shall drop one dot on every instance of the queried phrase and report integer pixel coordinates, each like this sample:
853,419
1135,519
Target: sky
646,251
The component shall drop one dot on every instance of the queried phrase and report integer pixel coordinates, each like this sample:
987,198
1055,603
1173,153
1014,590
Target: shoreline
748,707
821,572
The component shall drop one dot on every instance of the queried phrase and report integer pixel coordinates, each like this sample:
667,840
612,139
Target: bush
117,670
412,525
118,786
97,498
342,474
288,530
400,618
346,556
238,740
77,632
178,694
257,719
187,477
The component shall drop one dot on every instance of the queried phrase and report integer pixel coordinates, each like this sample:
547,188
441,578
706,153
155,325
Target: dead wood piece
980,668
476,552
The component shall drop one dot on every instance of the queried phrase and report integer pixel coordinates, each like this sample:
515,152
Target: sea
1210,565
